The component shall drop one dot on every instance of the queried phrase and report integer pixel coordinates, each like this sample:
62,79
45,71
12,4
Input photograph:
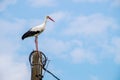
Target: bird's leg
36,43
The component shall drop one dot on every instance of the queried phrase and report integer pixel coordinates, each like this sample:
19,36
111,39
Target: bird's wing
29,34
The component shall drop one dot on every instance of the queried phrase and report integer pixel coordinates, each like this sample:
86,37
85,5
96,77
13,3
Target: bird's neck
45,21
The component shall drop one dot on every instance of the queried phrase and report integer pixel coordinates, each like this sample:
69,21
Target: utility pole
36,65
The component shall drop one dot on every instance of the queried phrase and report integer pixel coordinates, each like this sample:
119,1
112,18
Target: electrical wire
44,62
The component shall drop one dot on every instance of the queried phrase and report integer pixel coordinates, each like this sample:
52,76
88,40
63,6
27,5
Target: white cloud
10,31
117,58
93,77
90,25
11,69
80,55
5,3
54,46
95,32
12,66
116,46
115,3
40,3
11,27
59,16
91,1
76,42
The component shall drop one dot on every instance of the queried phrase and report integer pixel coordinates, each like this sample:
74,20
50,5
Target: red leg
36,42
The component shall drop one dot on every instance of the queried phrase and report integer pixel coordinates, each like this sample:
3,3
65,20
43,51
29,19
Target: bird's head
48,17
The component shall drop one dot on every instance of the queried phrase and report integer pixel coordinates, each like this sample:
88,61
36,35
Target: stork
35,31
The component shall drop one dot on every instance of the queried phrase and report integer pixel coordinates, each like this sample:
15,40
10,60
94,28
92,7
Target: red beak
51,18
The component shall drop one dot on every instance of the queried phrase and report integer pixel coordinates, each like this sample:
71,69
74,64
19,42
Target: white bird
35,31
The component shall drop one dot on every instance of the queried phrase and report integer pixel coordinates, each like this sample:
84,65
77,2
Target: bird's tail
23,37
27,34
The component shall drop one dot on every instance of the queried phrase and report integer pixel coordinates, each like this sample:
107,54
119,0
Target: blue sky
82,44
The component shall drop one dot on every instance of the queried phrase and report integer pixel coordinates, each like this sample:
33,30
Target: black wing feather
29,34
